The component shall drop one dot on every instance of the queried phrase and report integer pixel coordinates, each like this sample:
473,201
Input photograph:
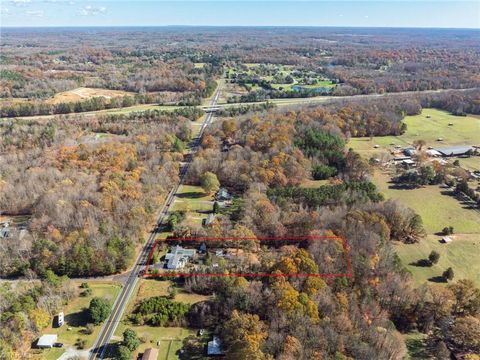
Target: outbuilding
47,341
150,354
456,150
447,239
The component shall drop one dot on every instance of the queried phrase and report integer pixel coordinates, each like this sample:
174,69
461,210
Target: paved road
100,348
278,102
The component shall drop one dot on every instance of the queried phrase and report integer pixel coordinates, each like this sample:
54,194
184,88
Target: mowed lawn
76,318
430,125
195,202
170,338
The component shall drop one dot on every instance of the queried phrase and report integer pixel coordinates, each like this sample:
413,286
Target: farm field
76,319
84,93
437,211
462,254
464,131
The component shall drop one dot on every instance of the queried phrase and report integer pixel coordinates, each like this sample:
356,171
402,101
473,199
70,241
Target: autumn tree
244,335
209,182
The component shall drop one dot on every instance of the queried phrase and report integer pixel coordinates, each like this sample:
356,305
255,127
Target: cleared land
437,211
193,200
170,338
83,93
76,319
430,125
462,255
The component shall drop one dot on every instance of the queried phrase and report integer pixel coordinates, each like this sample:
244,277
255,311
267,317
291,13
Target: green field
194,201
465,131
462,255
170,338
76,319
436,209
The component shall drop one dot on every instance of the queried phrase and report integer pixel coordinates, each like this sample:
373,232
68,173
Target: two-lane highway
101,345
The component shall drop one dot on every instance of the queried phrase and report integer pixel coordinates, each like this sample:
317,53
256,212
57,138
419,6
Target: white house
179,257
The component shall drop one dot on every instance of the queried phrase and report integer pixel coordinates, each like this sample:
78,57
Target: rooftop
47,340
150,354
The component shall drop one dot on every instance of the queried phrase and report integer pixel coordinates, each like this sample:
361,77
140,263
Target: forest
81,187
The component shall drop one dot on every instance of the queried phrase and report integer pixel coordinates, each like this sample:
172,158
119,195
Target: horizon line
236,26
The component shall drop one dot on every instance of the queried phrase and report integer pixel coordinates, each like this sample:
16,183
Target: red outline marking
348,274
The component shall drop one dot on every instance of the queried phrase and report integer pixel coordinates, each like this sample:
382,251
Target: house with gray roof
178,257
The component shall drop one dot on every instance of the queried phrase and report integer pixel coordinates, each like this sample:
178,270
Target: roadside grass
76,318
49,354
436,209
430,125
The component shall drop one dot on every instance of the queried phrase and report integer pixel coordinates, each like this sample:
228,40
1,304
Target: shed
150,354
447,239
60,319
47,341
214,347
409,151
209,219
433,153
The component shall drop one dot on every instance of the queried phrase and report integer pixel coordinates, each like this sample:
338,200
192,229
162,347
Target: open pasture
430,125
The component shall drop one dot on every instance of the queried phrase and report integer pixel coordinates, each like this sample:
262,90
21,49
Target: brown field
82,93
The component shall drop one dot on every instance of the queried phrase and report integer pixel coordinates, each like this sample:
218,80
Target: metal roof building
455,150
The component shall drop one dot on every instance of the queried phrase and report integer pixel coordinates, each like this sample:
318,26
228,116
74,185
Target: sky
353,13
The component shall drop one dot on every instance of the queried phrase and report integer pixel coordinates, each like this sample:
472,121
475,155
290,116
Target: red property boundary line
348,274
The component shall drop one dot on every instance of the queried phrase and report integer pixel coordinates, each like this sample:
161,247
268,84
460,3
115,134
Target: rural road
108,329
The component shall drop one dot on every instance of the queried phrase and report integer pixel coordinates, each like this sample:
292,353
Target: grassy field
192,199
436,209
471,163
462,255
170,338
76,320
430,125
83,93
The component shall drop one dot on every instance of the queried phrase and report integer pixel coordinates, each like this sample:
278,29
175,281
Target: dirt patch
82,93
